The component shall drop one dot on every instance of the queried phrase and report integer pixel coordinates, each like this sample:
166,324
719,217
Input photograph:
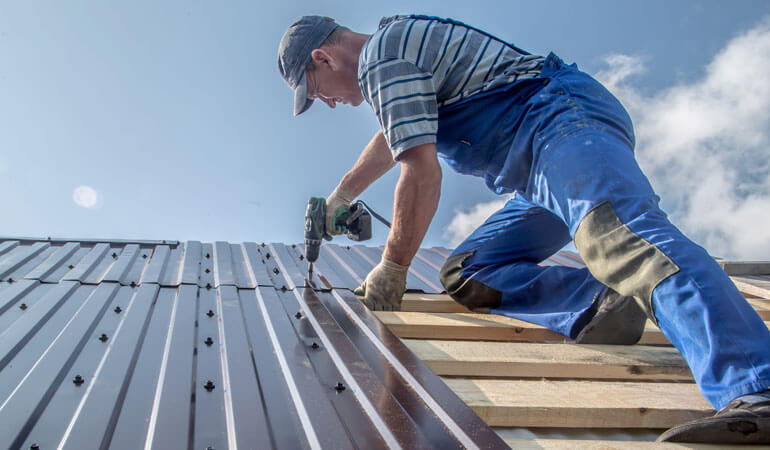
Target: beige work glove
384,286
336,204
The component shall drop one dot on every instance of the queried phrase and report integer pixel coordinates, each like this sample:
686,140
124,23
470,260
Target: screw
103,337
210,313
133,284
117,309
207,271
78,380
208,286
23,306
209,386
209,448
301,257
208,256
267,255
298,315
276,271
144,255
71,267
347,247
208,341
10,280
315,346
339,387
114,255
35,446
283,288
293,245
263,244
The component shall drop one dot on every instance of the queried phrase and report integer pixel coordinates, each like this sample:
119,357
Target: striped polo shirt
413,65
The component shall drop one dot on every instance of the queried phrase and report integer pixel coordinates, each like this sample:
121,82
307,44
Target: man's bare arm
415,202
373,163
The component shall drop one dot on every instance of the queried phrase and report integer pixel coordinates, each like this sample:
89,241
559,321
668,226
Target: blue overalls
565,145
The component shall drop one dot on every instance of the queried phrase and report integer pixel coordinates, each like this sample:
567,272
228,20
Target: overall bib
565,145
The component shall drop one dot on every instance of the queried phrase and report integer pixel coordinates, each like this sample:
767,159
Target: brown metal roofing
197,345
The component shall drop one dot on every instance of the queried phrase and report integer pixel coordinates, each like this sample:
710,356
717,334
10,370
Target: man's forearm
374,162
415,203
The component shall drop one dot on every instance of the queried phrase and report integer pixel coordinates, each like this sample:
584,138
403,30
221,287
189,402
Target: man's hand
384,286
336,205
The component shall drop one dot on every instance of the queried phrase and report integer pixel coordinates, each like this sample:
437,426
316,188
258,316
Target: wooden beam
419,302
581,404
761,306
589,444
482,327
745,267
755,285
528,360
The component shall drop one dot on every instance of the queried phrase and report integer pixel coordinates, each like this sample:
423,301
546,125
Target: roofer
554,136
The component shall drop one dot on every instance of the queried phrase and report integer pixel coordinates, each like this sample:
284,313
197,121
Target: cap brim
301,102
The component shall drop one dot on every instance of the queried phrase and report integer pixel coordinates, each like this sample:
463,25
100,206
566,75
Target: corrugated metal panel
245,266
198,345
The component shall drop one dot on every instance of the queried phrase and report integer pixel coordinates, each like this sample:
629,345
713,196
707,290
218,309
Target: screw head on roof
207,270
293,245
114,255
283,288
103,337
208,341
144,255
315,346
208,256
339,387
210,313
78,380
276,271
23,306
133,284
209,385
267,255
117,310
301,257
35,446
71,267
208,286
298,315
263,244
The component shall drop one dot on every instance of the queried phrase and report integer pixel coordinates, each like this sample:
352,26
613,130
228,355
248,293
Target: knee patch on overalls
620,258
471,293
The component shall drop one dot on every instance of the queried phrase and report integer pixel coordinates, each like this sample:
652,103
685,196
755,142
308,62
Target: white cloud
704,145
464,222
86,197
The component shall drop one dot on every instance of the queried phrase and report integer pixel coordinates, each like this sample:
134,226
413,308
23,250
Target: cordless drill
356,221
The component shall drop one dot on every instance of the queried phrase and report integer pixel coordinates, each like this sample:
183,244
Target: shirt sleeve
404,99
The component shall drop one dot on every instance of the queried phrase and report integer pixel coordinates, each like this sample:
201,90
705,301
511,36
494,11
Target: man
553,135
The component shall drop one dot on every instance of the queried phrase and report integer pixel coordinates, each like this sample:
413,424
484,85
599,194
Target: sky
169,120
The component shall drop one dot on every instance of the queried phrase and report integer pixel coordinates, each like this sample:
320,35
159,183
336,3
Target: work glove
337,204
384,286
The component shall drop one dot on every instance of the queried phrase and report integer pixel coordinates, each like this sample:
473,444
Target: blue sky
175,115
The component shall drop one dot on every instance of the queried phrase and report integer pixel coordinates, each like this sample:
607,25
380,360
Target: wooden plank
482,327
528,360
754,285
419,302
745,267
588,444
761,306
581,404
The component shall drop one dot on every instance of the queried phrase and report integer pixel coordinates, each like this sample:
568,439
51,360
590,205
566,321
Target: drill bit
309,270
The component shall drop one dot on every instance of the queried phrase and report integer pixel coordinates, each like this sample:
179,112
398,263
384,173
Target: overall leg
587,175
496,268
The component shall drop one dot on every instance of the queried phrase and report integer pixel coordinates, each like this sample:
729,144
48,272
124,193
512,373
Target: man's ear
325,55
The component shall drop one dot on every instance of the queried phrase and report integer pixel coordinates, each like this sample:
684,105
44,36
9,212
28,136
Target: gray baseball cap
302,37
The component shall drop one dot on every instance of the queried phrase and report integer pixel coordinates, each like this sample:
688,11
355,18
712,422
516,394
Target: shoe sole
721,430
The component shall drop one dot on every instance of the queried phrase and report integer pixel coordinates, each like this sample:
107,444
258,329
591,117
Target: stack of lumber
516,375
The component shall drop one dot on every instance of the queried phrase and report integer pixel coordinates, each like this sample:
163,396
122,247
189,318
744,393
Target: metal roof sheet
211,345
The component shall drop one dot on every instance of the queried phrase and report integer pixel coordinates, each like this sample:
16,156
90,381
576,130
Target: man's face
332,84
